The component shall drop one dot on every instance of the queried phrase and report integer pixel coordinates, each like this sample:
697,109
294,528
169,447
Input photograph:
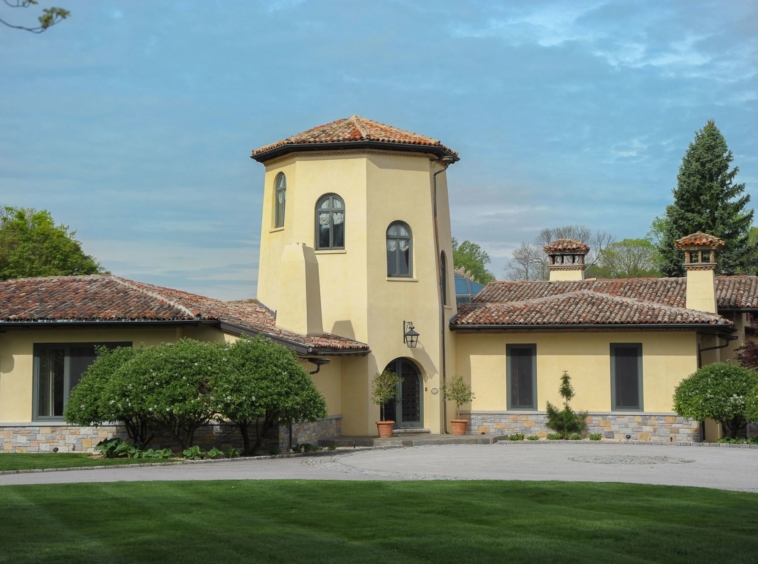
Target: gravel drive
722,468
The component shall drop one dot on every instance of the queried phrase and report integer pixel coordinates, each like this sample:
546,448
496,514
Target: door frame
399,423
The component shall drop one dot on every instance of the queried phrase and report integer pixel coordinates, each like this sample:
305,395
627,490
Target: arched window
399,250
330,223
443,277
280,199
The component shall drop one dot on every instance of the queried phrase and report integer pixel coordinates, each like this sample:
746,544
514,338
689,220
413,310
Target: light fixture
410,336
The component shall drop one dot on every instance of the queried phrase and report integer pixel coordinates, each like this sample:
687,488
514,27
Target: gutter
437,150
727,338
76,323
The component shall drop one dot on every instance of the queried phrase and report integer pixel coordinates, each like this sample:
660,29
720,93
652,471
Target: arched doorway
406,410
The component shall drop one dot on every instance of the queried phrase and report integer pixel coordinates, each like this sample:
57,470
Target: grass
30,461
302,521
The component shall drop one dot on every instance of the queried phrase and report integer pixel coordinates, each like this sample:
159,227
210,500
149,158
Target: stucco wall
667,358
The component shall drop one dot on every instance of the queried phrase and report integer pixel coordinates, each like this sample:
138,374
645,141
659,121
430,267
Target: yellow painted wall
667,358
701,292
358,300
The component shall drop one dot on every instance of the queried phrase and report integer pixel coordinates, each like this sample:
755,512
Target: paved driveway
723,468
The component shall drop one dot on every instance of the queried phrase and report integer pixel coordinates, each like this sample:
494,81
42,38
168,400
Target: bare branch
49,17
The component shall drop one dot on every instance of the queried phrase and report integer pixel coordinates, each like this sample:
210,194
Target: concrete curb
205,461
645,443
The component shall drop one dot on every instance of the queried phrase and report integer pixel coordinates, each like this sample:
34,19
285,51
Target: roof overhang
275,152
701,327
93,324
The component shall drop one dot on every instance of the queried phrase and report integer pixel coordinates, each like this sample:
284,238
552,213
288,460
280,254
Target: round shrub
718,391
751,405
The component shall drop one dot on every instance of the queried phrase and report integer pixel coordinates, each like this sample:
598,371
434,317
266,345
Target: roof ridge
156,295
360,126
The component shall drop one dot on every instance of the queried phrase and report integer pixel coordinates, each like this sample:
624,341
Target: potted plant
384,389
459,392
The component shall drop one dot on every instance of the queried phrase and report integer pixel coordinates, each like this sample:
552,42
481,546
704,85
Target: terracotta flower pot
385,428
459,426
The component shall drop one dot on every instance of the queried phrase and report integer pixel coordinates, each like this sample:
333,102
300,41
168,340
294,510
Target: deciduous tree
49,17
473,259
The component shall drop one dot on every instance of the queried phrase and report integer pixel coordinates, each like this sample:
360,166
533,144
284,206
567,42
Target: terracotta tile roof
581,307
110,298
732,293
354,129
566,246
699,240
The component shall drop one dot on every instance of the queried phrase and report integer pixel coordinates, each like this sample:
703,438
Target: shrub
730,440
108,447
459,392
751,404
232,452
554,437
263,384
566,421
533,438
575,437
718,391
516,437
332,447
383,389
595,436
168,385
273,451
215,453
194,453
96,399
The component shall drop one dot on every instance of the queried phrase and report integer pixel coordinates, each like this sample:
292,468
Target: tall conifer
707,200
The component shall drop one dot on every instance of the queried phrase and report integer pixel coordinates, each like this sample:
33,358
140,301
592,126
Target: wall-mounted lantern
410,336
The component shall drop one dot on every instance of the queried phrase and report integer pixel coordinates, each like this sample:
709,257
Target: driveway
722,468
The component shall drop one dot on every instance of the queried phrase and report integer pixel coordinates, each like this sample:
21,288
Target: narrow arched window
399,250
280,199
330,222
443,277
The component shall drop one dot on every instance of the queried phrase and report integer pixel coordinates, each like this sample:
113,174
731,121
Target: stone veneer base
653,427
34,437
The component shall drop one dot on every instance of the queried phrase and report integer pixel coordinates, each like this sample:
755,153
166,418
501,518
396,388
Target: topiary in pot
459,392
384,389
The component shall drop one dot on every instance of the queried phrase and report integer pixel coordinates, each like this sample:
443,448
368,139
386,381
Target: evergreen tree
565,422
707,200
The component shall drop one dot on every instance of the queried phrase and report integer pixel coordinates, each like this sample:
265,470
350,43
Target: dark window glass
406,408
330,223
59,368
461,286
626,376
399,249
280,199
521,377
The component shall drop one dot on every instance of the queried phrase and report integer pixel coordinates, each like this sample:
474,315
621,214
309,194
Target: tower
369,202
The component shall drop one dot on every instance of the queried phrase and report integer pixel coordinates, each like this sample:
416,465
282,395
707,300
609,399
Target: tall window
280,199
57,369
443,277
399,250
521,376
330,223
626,376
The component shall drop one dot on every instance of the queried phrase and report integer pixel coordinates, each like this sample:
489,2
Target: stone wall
642,427
71,438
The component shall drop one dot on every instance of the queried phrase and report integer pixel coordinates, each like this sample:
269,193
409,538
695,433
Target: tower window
280,199
330,223
399,250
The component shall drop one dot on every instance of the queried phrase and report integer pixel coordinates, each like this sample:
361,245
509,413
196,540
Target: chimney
566,259
700,264
299,307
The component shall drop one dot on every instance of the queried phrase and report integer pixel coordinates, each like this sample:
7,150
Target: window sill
331,252
401,279
276,229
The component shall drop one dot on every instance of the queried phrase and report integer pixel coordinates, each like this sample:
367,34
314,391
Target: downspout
445,162
727,338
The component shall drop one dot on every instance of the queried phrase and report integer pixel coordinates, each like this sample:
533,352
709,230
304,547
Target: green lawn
28,461
300,521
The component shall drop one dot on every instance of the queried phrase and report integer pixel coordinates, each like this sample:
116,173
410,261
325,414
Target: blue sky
133,121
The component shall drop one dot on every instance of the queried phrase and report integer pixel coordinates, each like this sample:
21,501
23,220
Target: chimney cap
566,247
699,240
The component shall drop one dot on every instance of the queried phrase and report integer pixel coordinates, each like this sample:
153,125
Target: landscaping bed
278,521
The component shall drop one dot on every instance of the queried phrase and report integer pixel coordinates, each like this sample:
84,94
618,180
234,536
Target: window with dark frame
521,365
399,250
626,376
57,370
330,223
280,199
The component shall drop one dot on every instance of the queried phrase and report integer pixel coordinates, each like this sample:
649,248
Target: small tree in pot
384,389
459,392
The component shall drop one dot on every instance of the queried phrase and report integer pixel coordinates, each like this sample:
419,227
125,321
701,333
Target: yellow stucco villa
356,276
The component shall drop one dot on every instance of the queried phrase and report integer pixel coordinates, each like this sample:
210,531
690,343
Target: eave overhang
702,327
274,152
